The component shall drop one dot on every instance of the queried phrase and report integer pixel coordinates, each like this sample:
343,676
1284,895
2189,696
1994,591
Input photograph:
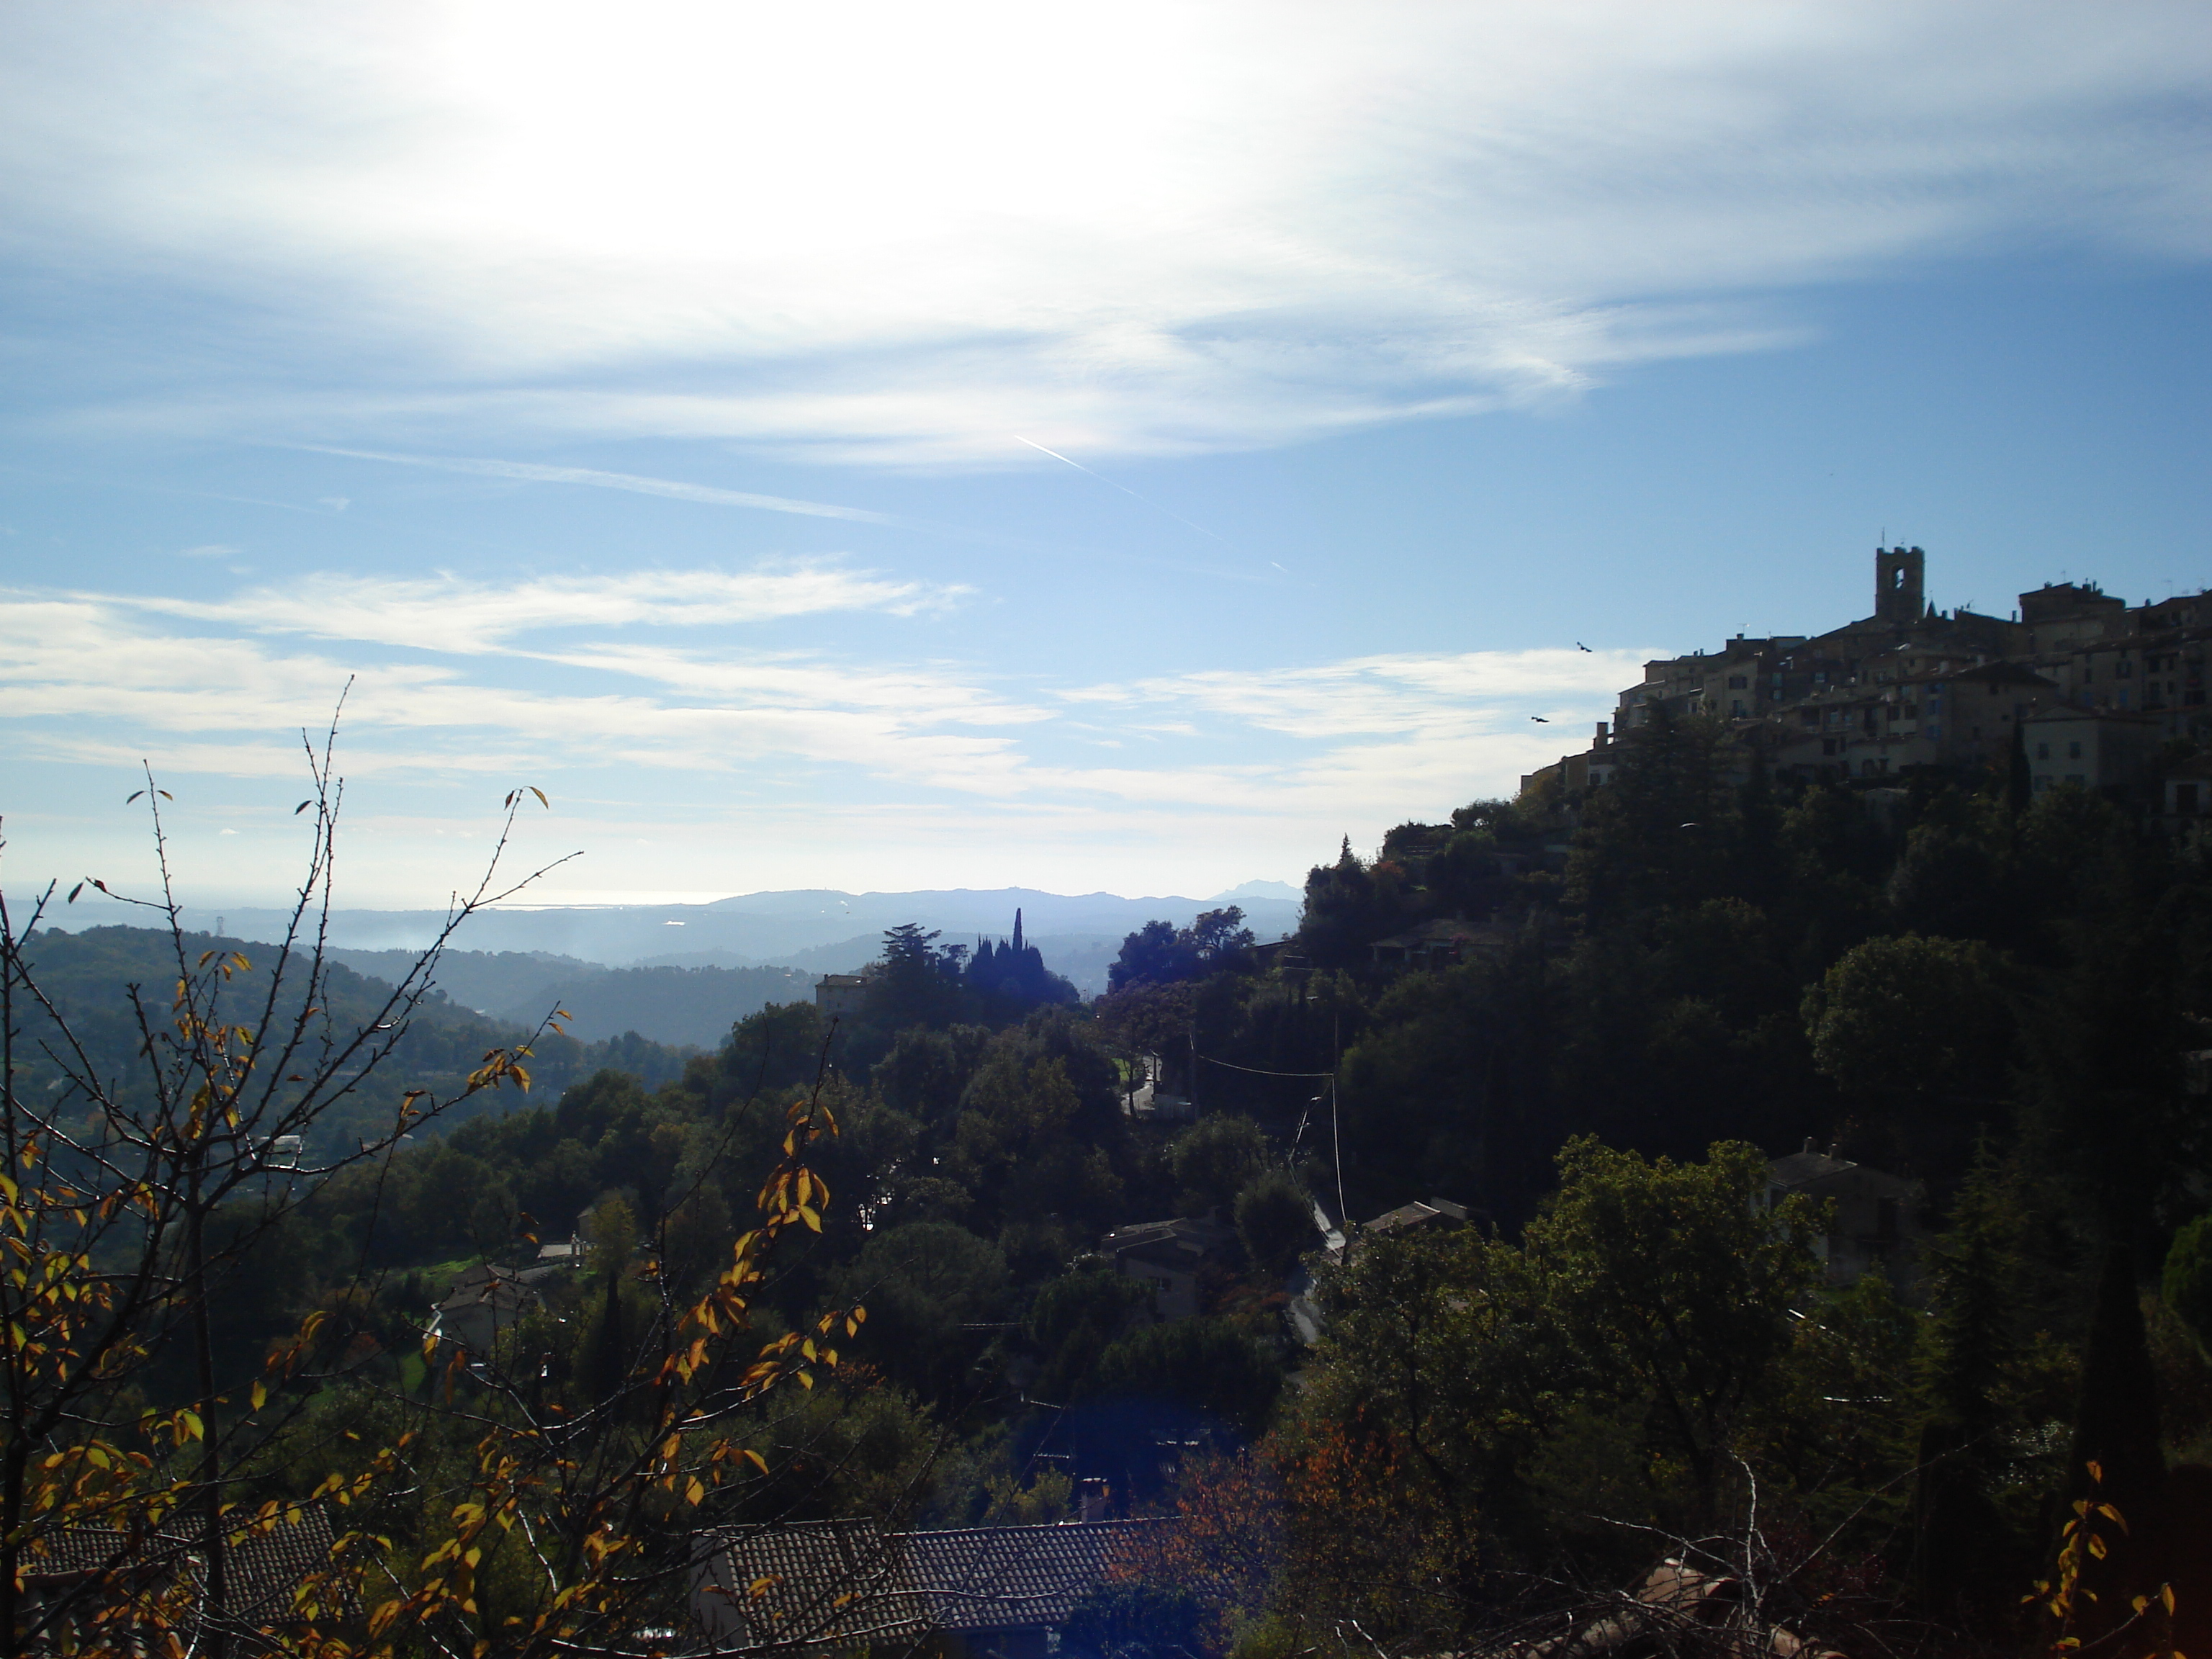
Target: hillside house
839,996
1880,1219
485,1303
1166,1255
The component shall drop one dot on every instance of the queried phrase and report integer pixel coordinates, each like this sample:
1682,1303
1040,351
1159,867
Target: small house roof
1419,1213
487,1285
1811,1171
1189,1235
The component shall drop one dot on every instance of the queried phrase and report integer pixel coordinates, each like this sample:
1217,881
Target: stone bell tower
1900,585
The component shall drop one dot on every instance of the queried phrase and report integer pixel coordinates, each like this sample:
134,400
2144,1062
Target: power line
1255,1070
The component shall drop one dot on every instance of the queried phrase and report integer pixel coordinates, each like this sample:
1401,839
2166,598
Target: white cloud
87,678
746,767
102,679
448,614
906,234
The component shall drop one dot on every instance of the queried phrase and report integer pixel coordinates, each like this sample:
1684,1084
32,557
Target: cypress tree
610,1368
2115,1428
1962,1549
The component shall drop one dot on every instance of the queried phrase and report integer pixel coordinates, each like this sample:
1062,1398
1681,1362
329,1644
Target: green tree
1213,1365
1159,954
1275,1221
1677,1288
1920,1033
912,983
1664,830
2187,1283
1654,1295
922,1282
2116,1457
1963,1553
1348,906
1215,1157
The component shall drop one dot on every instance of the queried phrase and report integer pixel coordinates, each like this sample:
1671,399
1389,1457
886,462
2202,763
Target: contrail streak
1124,488
629,481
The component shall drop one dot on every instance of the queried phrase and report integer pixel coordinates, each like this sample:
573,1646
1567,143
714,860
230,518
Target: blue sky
1087,448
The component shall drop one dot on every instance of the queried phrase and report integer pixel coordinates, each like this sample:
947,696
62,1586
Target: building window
2043,752
1738,682
2074,750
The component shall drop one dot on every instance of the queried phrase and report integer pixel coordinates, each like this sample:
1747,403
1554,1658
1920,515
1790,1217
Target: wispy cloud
87,678
1398,692
448,614
99,678
905,234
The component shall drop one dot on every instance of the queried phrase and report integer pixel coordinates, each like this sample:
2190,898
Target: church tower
1900,585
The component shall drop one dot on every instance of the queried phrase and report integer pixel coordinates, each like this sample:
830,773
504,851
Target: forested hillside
1560,1042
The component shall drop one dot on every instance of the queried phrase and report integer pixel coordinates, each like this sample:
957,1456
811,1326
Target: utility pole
1335,1135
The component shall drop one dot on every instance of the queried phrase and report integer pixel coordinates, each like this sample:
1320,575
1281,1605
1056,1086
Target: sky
1093,448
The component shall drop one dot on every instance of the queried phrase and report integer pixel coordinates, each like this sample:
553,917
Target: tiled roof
844,1582
817,1581
992,1577
263,1568
266,1567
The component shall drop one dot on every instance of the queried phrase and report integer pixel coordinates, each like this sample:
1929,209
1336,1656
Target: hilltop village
2081,686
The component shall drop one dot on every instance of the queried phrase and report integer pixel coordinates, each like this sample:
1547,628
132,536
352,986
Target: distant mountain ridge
683,973
754,930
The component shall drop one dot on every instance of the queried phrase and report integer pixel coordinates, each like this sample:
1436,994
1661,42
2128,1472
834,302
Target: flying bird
1579,646
1540,719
